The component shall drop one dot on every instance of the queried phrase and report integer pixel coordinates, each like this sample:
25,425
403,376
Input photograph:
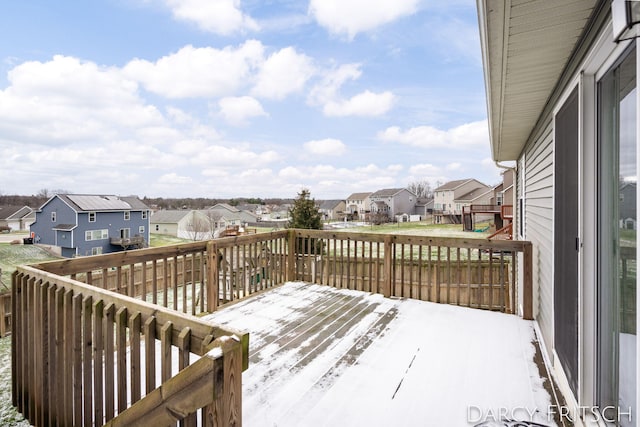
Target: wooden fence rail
471,272
83,355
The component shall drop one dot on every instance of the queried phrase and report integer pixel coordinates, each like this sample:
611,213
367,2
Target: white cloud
328,89
216,16
424,169
66,99
454,166
238,110
326,93
350,17
364,104
175,179
199,72
283,73
475,134
326,147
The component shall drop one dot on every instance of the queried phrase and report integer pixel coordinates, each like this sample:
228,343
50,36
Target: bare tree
198,227
421,189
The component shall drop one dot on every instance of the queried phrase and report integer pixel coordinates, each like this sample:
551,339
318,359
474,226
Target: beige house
358,203
332,209
450,197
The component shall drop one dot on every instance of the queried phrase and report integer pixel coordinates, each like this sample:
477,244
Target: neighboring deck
324,356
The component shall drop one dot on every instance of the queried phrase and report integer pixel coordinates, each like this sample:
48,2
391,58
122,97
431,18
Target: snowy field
326,357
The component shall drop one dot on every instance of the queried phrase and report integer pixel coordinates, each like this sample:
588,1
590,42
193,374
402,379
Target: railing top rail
117,259
455,242
202,333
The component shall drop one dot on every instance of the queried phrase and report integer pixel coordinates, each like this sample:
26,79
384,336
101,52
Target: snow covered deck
321,356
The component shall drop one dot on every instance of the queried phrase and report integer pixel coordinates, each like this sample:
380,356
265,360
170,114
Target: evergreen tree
304,213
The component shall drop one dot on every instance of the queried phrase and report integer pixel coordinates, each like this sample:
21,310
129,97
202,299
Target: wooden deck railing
470,272
94,337
86,356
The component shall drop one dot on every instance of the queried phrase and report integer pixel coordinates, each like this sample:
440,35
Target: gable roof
452,185
224,206
99,202
14,212
387,192
169,216
474,194
358,196
330,204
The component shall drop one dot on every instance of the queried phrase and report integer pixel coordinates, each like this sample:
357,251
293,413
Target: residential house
332,209
392,202
358,204
185,224
561,80
17,218
423,207
228,215
450,197
81,224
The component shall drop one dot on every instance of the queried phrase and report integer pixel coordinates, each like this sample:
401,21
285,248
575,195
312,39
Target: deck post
291,256
388,265
527,285
212,277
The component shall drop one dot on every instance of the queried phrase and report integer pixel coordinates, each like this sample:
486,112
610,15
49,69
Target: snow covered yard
321,356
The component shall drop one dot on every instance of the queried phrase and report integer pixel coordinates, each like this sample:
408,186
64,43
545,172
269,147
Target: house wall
537,173
403,202
43,226
169,229
534,201
113,221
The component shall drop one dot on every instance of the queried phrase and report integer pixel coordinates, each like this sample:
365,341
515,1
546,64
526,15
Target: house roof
65,227
452,185
99,202
387,192
224,206
526,47
424,202
330,204
358,196
169,216
474,194
14,212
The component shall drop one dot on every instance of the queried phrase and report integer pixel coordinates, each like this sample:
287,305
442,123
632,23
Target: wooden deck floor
321,356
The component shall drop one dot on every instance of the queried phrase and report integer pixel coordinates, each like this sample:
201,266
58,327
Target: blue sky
232,98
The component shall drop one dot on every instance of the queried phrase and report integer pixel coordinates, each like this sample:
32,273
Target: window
145,214
90,235
53,216
92,217
141,229
96,251
127,215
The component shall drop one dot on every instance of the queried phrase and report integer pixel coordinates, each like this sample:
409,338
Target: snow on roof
326,356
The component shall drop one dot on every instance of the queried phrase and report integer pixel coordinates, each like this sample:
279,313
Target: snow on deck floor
321,356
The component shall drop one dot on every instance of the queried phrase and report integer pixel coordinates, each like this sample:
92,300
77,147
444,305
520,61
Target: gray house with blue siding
83,225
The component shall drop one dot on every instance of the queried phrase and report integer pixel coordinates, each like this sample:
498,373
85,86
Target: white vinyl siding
538,224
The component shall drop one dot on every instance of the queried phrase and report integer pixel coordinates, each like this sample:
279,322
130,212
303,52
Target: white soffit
525,46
